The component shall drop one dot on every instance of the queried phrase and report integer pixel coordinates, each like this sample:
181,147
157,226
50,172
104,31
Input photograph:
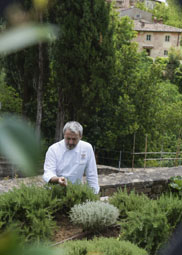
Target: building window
165,53
148,37
120,3
167,38
148,52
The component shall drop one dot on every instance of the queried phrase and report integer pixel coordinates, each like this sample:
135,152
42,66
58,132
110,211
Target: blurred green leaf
9,245
19,143
26,35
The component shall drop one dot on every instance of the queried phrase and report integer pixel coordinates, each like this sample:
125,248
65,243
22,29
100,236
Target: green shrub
32,210
171,205
101,246
128,202
175,184
94,215
10,244
148,228
10,100
148,223
71,195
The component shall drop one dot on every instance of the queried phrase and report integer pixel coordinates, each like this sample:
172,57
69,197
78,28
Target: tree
25,69
9,98
83,59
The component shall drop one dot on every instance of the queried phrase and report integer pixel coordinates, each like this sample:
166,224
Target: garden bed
67,231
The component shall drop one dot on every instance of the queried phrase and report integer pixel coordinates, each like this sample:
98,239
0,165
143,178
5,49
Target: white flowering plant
94,215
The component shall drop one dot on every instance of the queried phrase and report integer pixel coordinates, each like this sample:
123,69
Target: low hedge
102,246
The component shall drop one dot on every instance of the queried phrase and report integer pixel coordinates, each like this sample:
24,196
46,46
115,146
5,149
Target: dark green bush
148,229
147,223
128,202
32,210
175,184
171,205
101,246
71,195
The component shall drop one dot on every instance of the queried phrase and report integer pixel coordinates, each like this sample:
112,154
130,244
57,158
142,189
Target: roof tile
154,27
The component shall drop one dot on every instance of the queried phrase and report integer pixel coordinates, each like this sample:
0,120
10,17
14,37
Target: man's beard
70,146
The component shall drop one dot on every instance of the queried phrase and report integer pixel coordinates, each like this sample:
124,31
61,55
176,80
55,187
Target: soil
67,231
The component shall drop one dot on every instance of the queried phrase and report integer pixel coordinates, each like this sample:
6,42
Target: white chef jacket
71,164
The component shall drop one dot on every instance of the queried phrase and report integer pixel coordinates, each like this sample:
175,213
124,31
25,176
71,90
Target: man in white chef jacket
69,158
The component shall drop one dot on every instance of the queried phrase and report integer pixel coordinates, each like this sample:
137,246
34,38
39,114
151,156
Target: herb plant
94,215
176,184
101,246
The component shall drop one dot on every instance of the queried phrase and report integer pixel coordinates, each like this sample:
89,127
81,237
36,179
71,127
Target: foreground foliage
10,244
32,210
107,246
145,222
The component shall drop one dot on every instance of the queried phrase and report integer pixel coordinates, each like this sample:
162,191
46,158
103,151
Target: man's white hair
74,127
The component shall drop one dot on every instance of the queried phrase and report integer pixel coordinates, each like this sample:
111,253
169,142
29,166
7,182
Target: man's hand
62,181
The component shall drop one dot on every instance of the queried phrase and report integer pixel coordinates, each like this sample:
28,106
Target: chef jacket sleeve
91,172
49,165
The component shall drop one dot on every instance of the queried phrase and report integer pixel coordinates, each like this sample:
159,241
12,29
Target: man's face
71,139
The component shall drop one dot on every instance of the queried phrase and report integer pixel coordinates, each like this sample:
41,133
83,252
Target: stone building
153,36
120,3
135,14
129,3
156,38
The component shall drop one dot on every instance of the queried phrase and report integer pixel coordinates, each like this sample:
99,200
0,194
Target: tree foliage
9,97
86,55
94,74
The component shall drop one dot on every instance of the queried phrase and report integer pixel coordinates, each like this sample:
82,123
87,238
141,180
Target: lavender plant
94,215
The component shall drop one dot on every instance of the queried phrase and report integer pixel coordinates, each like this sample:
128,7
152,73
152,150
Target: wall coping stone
138,177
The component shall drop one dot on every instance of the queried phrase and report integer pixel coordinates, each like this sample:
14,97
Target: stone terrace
151,181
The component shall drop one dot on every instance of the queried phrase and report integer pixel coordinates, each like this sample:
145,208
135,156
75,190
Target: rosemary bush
128,202
71,195
94,215
32,210
147,223
109,246
148,229
171,205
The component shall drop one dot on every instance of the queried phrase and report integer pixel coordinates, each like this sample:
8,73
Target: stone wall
5,168
150,181
151,189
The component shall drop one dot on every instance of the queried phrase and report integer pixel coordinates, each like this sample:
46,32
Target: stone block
108,191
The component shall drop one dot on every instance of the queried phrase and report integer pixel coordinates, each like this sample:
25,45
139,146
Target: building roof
155,27
132,8
161,1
